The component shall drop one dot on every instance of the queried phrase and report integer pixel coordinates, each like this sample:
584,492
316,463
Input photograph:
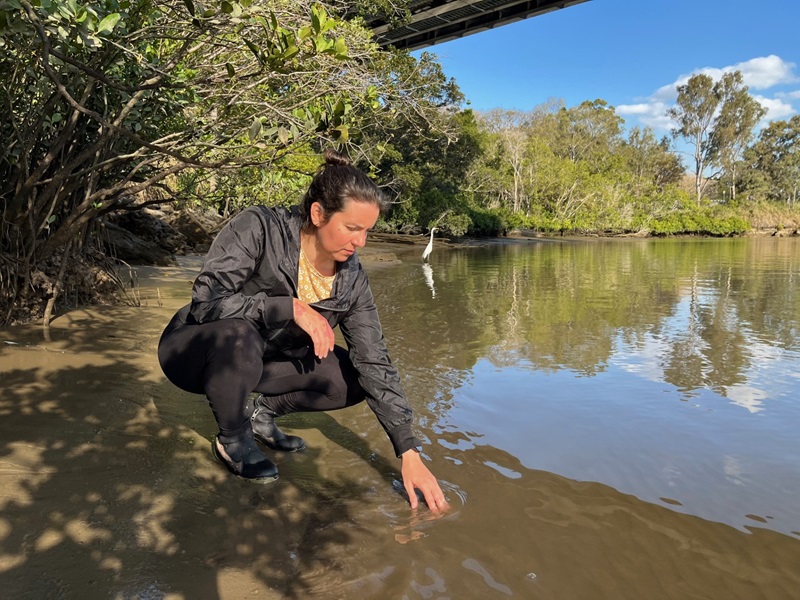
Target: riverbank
101,274
110,489
156,235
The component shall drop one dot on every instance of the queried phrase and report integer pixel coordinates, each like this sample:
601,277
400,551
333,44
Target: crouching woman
274,284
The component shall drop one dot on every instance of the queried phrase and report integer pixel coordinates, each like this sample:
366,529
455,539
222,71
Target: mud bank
110,490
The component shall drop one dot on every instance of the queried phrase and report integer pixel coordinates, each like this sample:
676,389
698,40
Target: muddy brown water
608,419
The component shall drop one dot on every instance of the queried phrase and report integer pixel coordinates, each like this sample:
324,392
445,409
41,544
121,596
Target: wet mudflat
610,419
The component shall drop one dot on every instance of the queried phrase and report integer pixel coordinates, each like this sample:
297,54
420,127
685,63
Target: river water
610,419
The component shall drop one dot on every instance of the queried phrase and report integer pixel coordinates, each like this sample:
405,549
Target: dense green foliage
773,163
559,169
110,106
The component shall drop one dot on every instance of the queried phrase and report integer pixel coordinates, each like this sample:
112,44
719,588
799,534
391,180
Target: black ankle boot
246,458
266,431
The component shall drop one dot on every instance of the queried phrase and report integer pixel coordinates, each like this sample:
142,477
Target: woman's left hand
416,475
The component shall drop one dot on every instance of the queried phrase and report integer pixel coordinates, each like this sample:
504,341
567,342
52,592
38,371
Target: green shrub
698,223
487,222
455,225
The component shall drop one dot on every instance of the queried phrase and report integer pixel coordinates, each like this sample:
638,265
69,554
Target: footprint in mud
411,525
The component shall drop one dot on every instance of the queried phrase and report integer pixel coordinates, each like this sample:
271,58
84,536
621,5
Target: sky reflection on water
666,369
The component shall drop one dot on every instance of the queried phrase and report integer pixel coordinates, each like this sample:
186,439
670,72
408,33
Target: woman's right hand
316,326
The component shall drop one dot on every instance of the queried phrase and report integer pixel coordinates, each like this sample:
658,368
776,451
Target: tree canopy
104,106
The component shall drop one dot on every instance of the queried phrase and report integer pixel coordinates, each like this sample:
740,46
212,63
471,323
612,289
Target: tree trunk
48,311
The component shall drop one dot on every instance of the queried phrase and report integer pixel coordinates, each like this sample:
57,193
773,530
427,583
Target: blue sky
632,54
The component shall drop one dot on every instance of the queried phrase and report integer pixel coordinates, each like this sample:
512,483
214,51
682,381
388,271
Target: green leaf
342,133
315,21
339,108
291,52
226,7
231,71
340,47
255,129
321,43
108,23
283,135
254,49
327,24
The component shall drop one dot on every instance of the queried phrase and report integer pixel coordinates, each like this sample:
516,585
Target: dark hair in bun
336,182
332,157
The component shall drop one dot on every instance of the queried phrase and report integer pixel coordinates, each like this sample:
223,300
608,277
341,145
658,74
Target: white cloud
659,122
651,114
765,72
776,108
668,93
634,109
759,73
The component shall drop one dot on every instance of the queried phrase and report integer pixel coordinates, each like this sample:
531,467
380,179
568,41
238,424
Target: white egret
429,248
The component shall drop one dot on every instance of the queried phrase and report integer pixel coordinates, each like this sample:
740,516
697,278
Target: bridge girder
437,21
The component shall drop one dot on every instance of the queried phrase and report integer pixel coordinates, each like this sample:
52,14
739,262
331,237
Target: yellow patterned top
311,285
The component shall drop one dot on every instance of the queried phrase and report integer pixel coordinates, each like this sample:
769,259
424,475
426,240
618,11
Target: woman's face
344,231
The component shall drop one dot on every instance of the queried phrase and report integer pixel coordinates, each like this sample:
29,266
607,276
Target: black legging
224,360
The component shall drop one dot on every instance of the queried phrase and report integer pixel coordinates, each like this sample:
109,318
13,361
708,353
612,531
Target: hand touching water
416,475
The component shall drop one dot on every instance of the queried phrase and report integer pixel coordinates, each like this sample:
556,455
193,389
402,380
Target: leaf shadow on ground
109,488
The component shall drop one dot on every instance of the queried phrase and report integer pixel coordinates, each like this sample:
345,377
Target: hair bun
332,157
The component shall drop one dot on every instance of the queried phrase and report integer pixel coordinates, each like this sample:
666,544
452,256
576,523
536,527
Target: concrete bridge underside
437,21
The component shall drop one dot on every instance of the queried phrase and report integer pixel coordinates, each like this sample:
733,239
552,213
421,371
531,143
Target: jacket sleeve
377,375
233,257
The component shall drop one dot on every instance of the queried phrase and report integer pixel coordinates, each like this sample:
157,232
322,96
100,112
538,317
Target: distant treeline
575,169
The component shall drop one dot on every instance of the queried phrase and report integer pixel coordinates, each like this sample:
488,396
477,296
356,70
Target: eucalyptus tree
102,103
733,127
717,120
697,103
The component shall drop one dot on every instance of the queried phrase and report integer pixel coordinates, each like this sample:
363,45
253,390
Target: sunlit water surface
669,370
609,419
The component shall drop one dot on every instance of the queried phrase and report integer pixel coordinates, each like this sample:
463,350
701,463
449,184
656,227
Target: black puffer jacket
250,272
